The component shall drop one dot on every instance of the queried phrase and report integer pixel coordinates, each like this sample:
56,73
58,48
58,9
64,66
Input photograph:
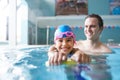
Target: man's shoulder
105,48
80,42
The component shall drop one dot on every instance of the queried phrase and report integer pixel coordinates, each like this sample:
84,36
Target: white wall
74,20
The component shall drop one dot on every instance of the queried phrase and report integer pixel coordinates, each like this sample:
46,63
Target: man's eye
93,26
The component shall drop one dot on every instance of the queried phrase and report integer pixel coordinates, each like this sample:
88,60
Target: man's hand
81,57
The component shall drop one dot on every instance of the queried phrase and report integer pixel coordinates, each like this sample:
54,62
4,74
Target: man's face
92,30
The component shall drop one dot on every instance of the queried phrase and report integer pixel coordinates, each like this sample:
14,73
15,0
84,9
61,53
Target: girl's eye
60,40
86,26
69,39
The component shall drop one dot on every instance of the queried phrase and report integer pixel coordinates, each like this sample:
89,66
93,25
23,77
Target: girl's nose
64,43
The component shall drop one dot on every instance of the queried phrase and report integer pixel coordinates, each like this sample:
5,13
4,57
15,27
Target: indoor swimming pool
29,64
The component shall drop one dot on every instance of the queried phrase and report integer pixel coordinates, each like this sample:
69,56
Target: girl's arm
55,57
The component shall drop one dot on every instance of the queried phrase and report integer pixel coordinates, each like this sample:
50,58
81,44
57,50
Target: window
13,22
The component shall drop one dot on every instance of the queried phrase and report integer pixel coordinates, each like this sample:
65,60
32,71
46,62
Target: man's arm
80,57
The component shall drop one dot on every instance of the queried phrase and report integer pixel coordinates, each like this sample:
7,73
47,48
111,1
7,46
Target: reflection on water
29,64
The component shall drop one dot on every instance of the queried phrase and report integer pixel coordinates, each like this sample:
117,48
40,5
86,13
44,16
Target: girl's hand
56,58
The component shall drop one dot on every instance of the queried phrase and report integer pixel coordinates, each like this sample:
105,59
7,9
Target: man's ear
101,29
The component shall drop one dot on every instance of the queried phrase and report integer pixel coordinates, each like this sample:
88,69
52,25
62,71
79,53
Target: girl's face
92,30
64,45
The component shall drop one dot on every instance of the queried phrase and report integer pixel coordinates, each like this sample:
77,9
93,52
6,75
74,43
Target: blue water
29,64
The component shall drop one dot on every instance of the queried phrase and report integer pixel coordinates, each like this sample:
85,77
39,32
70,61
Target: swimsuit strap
70,54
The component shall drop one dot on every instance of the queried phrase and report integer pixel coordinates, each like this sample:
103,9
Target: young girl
64,40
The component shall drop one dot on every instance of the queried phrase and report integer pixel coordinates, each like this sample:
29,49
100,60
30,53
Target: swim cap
63,31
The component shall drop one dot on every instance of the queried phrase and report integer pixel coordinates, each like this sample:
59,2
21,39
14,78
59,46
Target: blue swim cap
63,28
63,31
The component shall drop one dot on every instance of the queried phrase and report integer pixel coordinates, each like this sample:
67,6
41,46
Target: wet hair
100,20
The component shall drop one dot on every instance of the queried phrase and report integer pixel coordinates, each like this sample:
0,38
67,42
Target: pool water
29,64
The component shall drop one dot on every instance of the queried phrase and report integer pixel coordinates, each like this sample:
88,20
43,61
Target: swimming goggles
64,34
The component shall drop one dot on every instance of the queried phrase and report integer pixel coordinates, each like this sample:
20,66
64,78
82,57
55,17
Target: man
93,28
